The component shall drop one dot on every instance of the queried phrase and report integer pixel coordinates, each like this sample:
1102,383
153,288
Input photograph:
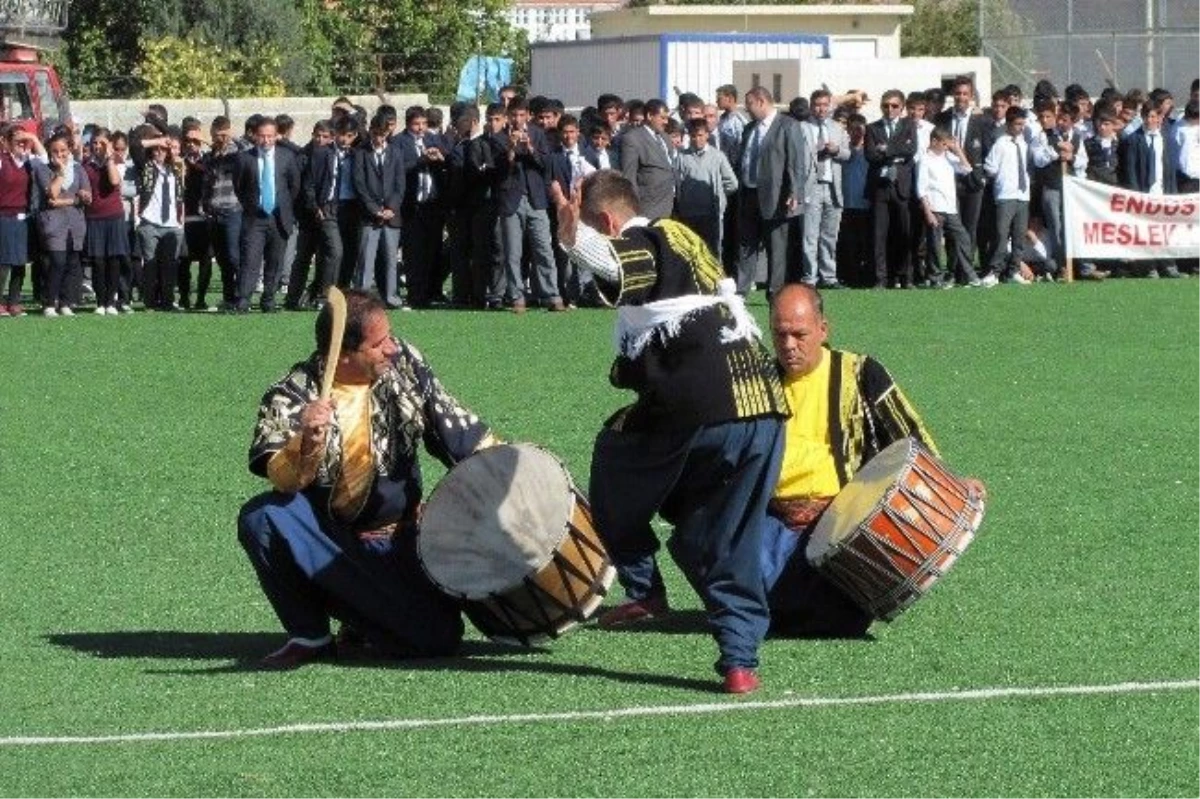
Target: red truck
30,92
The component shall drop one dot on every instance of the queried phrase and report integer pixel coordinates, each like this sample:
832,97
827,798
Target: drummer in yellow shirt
845,409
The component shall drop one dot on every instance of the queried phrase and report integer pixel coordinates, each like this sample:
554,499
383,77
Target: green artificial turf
128,606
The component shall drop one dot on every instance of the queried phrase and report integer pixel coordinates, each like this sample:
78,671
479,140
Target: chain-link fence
1127,43
370,73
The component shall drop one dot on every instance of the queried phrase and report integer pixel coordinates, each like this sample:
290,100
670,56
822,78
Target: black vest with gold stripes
687,377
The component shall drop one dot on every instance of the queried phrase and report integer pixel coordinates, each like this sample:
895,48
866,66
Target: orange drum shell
564,592
913,536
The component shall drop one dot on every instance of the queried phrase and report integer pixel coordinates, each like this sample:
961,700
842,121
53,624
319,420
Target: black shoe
293,655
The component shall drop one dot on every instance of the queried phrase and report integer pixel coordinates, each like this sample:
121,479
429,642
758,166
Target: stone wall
125,114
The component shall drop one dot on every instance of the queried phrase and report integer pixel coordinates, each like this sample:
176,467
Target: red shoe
741,681
295,654
634,610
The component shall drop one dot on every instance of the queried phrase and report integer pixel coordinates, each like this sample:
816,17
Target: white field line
732,705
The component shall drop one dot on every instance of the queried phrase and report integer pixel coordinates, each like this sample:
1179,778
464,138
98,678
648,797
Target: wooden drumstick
336,301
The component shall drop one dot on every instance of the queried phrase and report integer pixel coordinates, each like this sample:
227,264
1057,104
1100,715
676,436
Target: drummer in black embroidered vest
336,535
701,443
845,410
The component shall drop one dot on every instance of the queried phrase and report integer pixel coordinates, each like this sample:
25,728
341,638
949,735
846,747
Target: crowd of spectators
942,190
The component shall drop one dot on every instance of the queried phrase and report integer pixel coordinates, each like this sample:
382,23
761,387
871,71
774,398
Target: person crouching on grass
335,536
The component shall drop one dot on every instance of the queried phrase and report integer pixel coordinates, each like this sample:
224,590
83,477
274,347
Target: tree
191,67
416,45
118,48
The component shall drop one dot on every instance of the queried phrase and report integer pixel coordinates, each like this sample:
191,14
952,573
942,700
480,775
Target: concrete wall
125,114
879,22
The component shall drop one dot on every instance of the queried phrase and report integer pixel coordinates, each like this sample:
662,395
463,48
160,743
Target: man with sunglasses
891,146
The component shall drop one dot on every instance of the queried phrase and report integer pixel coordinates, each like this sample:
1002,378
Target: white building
660,50
557,20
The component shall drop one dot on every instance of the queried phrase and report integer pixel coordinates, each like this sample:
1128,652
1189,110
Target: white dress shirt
1187,144
1154,141
152,211
1008,156
936,182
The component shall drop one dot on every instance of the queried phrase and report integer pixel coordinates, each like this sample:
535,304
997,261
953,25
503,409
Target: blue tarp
482,77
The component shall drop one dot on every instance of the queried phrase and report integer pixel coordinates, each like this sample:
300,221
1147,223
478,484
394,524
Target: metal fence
1127,43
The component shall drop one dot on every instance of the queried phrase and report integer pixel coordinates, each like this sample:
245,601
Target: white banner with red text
1104,221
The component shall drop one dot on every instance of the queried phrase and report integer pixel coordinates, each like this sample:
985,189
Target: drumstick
337,307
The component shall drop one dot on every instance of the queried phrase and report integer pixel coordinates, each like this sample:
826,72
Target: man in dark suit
891,146
310,223
646,161
267,186
379,178
969,129
424,153
772,173
522,166
1147,164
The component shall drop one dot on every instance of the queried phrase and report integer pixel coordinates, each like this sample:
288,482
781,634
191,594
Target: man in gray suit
646,162
830,146
772,172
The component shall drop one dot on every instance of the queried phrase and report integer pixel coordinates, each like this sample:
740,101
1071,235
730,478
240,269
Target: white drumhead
858,499
494,519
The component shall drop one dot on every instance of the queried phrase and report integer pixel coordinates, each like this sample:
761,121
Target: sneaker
973,283
4,310
989,280
49,311
1018,278
66,311
126,308
16,310
100,310
112,310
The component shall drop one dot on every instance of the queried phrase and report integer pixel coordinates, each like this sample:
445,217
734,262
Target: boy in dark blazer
379,183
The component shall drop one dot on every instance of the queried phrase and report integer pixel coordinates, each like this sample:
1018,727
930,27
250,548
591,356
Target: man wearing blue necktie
267,185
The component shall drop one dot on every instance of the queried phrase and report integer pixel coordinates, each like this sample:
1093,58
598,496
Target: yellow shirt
290,473
808,469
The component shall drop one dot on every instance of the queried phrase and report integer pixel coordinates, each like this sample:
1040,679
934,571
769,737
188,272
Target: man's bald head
799,329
